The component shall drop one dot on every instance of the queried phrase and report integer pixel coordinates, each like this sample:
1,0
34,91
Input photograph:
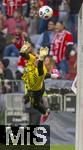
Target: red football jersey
12,5
59,45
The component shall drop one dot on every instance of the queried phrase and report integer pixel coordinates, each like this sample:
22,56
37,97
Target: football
45,12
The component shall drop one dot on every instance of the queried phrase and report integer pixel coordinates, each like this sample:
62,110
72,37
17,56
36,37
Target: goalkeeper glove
26,48
43,53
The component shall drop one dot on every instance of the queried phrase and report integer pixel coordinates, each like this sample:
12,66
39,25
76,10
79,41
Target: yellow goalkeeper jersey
32,80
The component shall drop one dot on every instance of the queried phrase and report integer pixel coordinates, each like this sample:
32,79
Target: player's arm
69,49
25,56
42,54
40,68
69,43
52,76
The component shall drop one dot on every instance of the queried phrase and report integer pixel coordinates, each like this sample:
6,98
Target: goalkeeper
33,76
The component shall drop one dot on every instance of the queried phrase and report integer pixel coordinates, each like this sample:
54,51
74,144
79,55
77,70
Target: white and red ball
45,12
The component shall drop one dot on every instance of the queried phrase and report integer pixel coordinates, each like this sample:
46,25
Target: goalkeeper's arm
40,68
26,56
42,54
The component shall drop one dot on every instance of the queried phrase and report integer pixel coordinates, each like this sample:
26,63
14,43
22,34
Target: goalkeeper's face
26,48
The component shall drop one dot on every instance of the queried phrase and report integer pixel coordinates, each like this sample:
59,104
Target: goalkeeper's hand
26,48
43,53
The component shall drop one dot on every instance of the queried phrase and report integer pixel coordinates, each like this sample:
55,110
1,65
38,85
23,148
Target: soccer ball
45,12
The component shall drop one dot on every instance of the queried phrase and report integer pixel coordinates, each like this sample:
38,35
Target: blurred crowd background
19,22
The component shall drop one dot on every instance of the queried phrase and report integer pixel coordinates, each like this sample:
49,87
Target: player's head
51,25
59,26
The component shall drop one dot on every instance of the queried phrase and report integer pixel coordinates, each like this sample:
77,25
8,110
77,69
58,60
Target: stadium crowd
19,22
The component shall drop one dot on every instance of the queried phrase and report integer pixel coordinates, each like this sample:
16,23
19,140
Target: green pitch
62,147
52,147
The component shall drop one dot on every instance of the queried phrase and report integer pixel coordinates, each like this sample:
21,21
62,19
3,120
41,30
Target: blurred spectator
15,42
10,6
54,4
2,44
20,36
47,36
61,47
5,76
20,67
25,7
33,8
33,16
16,19
73,17
28,9
1,26
64,12
2,36
72,67
2,17
51,67
11,49
1,4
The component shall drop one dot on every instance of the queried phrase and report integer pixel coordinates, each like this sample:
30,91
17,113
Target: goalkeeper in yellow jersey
33,76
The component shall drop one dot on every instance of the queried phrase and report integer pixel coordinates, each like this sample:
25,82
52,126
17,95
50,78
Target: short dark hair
52,20
61,22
